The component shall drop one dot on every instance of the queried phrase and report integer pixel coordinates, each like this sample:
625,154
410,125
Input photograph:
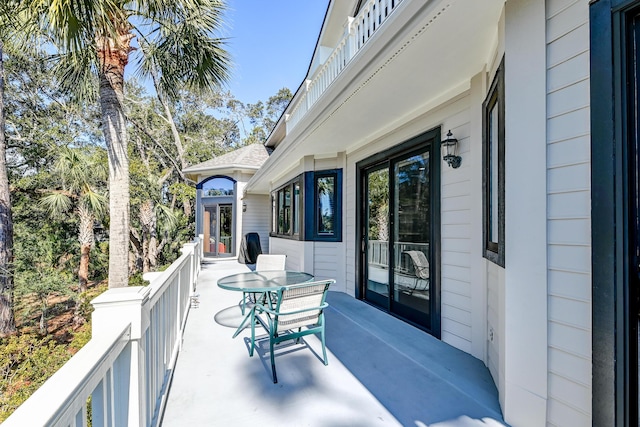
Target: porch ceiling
424,54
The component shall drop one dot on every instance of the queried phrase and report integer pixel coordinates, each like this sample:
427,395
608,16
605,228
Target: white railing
378,253
358,31
124,371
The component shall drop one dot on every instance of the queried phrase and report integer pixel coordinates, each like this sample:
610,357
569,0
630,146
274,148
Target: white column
127,305
525,288
478,265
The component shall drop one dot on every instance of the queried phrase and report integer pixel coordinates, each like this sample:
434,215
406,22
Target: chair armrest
265,309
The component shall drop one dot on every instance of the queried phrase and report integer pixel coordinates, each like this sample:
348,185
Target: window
286,210
325,223
217,186
493,170
309,207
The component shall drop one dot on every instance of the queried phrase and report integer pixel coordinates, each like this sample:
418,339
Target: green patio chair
297,307
264,262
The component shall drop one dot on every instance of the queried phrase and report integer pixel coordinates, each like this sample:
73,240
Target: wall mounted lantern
451,150
244,206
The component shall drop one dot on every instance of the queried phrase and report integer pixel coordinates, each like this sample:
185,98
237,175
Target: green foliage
56,144
137,280
26,362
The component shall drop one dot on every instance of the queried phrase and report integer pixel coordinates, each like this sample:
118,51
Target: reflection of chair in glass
297,306
264,262
420,269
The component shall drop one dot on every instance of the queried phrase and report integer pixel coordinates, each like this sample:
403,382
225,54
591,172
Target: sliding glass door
397,229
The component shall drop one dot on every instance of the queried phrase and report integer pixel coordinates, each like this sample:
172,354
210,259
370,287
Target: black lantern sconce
451,150
244,206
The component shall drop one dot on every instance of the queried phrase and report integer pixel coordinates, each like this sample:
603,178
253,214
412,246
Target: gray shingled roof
250,156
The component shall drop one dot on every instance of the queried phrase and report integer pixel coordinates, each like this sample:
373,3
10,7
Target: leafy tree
263,117
95,40
9,29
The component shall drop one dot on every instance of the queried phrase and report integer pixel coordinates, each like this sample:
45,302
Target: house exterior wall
529,322
568,213
457,315
254,220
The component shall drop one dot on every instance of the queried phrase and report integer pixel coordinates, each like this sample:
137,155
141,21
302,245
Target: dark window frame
306,211
614,397
492,250
312,219
295,213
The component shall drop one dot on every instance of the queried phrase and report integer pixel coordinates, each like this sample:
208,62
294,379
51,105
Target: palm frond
167,217
77,71
56,203
96,202
183,49
73,24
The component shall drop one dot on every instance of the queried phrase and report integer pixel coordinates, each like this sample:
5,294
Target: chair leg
273,361
253,335
324,349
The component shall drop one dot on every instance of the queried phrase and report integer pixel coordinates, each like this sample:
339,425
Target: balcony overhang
425,54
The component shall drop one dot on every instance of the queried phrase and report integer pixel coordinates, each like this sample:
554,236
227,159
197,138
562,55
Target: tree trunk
113,59
7,321
85,237
148,222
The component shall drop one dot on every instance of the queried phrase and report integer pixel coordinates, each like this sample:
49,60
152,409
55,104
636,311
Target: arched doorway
216,215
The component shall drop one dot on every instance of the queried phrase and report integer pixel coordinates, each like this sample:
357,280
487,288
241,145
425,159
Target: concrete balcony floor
381,371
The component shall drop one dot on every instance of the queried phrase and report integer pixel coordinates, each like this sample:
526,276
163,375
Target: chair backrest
305,302
266,262
420,263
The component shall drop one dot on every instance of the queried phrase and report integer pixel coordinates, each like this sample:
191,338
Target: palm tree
79,175
96,39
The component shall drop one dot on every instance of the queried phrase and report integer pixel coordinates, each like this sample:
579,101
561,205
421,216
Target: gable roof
248,157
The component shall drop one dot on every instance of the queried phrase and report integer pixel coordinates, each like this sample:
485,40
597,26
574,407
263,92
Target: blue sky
271,43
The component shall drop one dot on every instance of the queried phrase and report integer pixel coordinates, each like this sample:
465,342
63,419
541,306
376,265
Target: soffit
427,50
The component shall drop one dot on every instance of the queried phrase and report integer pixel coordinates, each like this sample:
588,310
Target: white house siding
456,197
457,316
328,263
293,249
495,276
568,198
256,218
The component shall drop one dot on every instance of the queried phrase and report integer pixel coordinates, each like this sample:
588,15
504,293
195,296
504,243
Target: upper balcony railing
124,371
358,31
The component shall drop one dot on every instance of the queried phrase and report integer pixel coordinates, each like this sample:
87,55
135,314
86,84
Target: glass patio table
263,281
260,282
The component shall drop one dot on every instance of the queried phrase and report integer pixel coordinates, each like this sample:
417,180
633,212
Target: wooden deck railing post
127,305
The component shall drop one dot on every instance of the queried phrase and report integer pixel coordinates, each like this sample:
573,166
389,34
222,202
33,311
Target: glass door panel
226,231
210,230
399,229
218,229
377,236
412,225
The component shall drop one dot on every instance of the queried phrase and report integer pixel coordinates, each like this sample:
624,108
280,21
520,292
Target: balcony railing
378,253
358,31
123,372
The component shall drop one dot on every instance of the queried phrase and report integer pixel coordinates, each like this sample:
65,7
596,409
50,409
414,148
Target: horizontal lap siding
494,273
456,235
569,223
456,313
325,260
293,249
256,218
